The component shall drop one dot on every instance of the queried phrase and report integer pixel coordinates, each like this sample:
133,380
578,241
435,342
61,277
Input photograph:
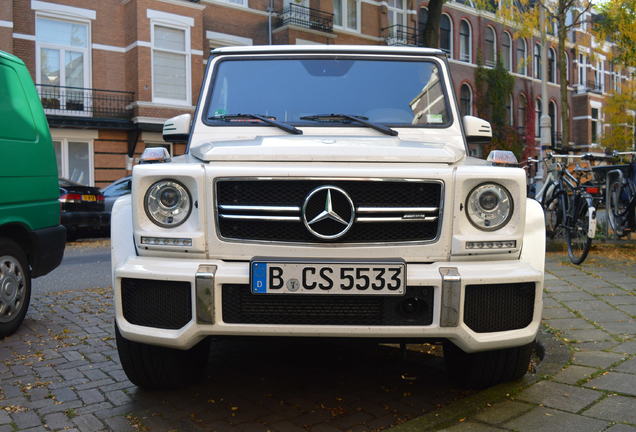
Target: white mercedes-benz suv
326,192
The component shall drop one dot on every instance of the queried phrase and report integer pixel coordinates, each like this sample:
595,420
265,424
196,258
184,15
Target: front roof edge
349,49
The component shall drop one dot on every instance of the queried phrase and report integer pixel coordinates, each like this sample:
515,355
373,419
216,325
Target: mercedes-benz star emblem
328,212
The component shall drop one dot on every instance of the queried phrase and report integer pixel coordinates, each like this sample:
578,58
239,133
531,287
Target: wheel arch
20,234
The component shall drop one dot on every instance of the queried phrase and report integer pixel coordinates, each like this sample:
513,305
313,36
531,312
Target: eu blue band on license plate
259,277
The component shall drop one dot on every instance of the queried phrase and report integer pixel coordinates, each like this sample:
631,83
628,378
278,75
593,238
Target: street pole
544,121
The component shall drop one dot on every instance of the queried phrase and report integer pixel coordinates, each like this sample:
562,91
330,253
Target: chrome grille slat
396,209
262,217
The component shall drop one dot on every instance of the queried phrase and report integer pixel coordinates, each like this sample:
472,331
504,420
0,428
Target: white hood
327,149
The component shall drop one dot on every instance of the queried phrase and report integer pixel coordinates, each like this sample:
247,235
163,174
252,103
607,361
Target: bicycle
546,196
578,214
620,199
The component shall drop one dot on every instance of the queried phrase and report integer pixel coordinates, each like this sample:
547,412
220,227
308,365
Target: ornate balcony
67,105
400,35
302,16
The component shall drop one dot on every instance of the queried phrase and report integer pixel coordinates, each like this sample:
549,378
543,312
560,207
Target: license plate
88,198
288,277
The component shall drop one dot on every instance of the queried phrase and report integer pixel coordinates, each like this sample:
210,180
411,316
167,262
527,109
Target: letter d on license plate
293,277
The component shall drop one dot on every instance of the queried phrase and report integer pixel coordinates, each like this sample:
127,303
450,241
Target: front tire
576,235
484,369
15,286
154,367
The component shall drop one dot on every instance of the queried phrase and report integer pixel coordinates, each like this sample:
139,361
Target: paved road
85,265
61,370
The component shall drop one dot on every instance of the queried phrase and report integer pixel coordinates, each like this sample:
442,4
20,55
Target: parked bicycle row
574,187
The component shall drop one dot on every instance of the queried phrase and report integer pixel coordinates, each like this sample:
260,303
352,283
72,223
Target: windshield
392,92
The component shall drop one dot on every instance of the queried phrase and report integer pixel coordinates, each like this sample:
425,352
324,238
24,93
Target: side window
16,118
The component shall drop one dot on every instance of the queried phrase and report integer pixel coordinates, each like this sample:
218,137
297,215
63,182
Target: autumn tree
618,23
430,34
619,109
523,16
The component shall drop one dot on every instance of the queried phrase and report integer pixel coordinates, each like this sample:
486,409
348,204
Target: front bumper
448,294
85,220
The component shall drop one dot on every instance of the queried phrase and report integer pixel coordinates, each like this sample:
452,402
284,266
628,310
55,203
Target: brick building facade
109,73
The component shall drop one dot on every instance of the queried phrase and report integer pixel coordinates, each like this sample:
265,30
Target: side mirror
477,131
177,129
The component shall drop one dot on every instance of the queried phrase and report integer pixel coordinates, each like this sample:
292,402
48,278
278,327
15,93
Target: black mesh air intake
240,306
499,307
155,303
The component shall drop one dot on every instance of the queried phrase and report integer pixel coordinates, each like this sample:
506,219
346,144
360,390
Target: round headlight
167,203
489,206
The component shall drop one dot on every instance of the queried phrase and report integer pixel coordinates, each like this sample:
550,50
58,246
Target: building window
509,111
521,113
466,100
237,2
506,51
490,49
522,57
396,12
551,66
567,68
446,35
345,14
537,120
552,112
537,61
74,160
170,64
582,62
465,48
595,125
62,60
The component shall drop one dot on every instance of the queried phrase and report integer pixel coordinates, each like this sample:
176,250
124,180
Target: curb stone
549,366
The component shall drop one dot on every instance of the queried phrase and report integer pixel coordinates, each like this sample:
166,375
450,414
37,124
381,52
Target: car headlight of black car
168,203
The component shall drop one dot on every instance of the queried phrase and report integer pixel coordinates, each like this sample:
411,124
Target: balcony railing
400,35
303,16
85,102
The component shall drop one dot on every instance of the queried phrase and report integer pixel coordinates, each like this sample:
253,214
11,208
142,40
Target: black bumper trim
48,249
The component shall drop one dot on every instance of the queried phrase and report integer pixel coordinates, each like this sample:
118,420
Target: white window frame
160,21
452,34
64,140
494,47
599,121
552,78
511,102
345,11
86,51
536,68
524,60
469,57
470,92
510,50
242,3
538,106
392,10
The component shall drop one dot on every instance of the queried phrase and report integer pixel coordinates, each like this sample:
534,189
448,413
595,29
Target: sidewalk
592,310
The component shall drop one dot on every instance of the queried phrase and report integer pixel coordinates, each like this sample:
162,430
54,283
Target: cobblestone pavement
61,372
593,309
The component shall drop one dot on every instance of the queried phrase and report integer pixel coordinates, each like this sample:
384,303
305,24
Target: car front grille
499,307
385,211
240,306
156,303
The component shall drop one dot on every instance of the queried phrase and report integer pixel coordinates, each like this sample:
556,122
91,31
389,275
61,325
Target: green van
31,237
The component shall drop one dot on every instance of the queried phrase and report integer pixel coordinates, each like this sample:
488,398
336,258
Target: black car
82,209
114,190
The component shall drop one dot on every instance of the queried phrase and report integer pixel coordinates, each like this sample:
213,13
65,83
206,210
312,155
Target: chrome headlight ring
489,206
168,203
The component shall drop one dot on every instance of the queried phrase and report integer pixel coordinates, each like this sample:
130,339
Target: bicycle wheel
616,208
553,214
576,233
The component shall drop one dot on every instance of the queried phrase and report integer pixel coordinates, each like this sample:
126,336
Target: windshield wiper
270,121
358,119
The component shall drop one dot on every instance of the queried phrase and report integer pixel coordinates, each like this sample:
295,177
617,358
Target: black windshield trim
398,57
351,118
263,119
